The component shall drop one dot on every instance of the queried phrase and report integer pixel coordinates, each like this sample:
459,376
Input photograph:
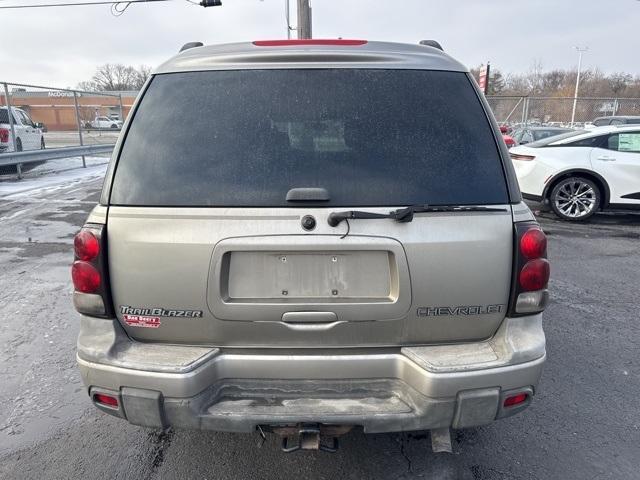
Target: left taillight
531,270
89,273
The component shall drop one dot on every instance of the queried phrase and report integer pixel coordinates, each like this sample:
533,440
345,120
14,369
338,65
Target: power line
78,4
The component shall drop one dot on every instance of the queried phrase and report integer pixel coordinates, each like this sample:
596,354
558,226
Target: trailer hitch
311,437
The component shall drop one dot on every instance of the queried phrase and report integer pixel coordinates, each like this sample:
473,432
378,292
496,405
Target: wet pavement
583,424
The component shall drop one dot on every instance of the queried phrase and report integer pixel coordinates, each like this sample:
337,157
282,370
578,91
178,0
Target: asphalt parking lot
583,424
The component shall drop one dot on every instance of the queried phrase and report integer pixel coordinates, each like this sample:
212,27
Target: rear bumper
380,389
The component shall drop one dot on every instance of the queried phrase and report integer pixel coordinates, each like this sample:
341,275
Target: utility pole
581,51
304,19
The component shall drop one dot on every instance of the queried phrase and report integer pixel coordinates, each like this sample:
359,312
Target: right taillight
4,135
529,292
91,294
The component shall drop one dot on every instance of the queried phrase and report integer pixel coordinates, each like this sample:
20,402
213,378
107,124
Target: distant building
56,109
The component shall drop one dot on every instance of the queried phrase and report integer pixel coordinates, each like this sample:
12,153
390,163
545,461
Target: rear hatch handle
310,321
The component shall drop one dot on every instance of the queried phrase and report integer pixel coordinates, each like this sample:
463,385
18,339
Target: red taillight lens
308,41
92,296
533,244
534,275
86,278
86,245
515,399
106,400
531,270
4,135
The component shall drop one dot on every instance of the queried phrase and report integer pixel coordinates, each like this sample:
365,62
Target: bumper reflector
107,400
515,400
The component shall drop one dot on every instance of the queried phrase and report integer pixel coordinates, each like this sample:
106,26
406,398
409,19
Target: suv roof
301,54
538,128
618,117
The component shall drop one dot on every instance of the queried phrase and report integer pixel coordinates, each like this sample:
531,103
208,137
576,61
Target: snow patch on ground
53,176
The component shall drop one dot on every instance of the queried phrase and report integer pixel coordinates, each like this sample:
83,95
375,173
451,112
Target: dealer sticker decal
149,317
159,312
141,321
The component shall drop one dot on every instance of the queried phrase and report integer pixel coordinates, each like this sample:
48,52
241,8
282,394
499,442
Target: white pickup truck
28,134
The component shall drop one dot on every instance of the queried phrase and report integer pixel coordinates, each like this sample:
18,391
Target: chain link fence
558,111
47,118
65,117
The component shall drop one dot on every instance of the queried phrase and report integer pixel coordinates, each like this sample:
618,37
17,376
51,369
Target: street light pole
581,51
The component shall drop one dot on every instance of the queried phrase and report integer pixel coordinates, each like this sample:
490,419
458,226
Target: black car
616,120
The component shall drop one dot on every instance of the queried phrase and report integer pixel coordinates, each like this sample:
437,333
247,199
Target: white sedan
582,172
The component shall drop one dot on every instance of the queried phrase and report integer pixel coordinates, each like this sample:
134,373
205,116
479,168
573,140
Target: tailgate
252,277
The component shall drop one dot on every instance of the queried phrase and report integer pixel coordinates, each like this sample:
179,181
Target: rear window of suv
4,115
369,137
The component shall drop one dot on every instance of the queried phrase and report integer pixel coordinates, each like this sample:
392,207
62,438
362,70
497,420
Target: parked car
616,120
104,122
28,135
525,135
320,252
581,172
508,139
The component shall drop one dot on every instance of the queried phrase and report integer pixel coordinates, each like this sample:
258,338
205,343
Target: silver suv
308,236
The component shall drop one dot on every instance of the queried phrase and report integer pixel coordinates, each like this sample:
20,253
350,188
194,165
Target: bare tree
87,85
142,74
535,77
116,76
618,82
553,81
497,82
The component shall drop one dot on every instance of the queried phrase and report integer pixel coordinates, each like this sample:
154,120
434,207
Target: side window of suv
617,121
624,142
600,122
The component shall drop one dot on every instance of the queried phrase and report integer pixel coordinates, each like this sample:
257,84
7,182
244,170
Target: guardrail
31,156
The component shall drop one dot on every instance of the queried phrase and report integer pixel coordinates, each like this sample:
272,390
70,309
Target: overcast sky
62,46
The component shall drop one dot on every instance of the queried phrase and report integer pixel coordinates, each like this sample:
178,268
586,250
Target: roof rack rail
431,43
189,45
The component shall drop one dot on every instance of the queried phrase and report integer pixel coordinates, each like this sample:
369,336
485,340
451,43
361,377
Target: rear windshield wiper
404,215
